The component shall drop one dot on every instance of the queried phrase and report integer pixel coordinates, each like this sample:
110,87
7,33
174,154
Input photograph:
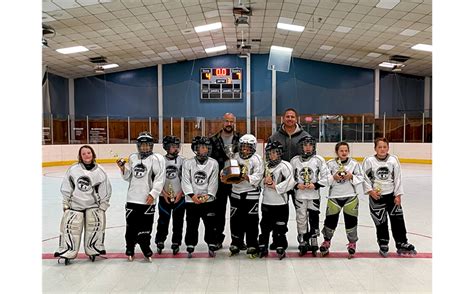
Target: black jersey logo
139,171
382,173
84,183
200,177
171,172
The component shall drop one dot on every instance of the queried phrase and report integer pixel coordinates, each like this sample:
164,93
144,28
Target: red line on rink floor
225,254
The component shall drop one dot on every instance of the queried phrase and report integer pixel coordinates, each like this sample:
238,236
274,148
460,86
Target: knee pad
94,231
70,234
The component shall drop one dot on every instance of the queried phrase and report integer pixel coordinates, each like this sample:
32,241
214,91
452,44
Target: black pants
139,218
274,218
379,210
194,214
244,218
350,208
223,193
165,211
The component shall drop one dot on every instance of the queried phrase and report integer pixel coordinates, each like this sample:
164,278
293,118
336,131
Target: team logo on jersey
171,172
139,171
84,183
200,177
382,173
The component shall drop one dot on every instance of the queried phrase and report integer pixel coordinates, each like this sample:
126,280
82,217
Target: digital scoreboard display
221,83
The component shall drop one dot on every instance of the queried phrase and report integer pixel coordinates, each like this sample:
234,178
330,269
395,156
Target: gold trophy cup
377,186
171,193
231,171
306,176
341,171
268,175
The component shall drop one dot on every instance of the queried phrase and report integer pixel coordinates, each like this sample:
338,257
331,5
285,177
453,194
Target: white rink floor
239,274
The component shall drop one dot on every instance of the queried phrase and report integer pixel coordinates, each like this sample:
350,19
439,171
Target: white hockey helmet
250,141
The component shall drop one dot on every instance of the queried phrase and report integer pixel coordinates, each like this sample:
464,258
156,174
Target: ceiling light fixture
208,27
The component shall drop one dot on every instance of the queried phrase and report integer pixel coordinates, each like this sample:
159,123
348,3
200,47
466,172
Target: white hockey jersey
254,166
282,175
343,188
385,174
315,169
173,174
145,176
83,189
200,178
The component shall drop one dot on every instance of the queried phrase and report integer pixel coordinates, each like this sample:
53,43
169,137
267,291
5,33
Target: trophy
341,171
231,170
377,186
245,168
120,161
268,174
306,176
171,192
202,196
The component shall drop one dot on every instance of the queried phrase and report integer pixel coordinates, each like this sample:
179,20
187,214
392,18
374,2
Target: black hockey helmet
276,147
145,139
304,141
169,141
199,141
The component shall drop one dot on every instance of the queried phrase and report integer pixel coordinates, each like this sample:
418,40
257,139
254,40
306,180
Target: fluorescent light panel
208,27
216,49
284,49
387,4
387,64
343,29
71,50
108,66
423,47
290,27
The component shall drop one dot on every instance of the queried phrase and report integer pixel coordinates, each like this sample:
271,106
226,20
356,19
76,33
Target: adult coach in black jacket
289,134
226,136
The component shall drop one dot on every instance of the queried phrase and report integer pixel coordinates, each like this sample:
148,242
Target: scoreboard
221,83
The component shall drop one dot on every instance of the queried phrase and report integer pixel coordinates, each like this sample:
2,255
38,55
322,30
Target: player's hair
381,139
341,144
79,158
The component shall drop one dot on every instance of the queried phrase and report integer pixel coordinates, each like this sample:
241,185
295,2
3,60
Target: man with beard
227,136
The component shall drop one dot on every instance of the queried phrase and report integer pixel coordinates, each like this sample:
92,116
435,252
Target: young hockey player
145,173
244,198
383,183
277,182
171,200
310,173
345,175
199,183
86,192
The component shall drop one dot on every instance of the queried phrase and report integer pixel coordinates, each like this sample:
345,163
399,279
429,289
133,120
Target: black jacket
218,152
290,143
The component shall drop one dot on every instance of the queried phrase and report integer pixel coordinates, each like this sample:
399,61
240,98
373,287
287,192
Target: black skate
147,252
281,253
212,250
175,248
130,254
273,246
405,249
190,250
243,247
159,247
351,249
324,248
234,250
383,250
67,261
262,251
303,249
252,252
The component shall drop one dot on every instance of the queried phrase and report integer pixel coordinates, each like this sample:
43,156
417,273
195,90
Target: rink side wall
55,155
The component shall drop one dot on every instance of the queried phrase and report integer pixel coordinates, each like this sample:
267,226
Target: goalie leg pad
70,234
94,231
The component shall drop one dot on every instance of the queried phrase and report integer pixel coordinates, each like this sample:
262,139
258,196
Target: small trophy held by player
306,176
171,193
231,171
120,161
377,186
268,175
245,169
341,171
